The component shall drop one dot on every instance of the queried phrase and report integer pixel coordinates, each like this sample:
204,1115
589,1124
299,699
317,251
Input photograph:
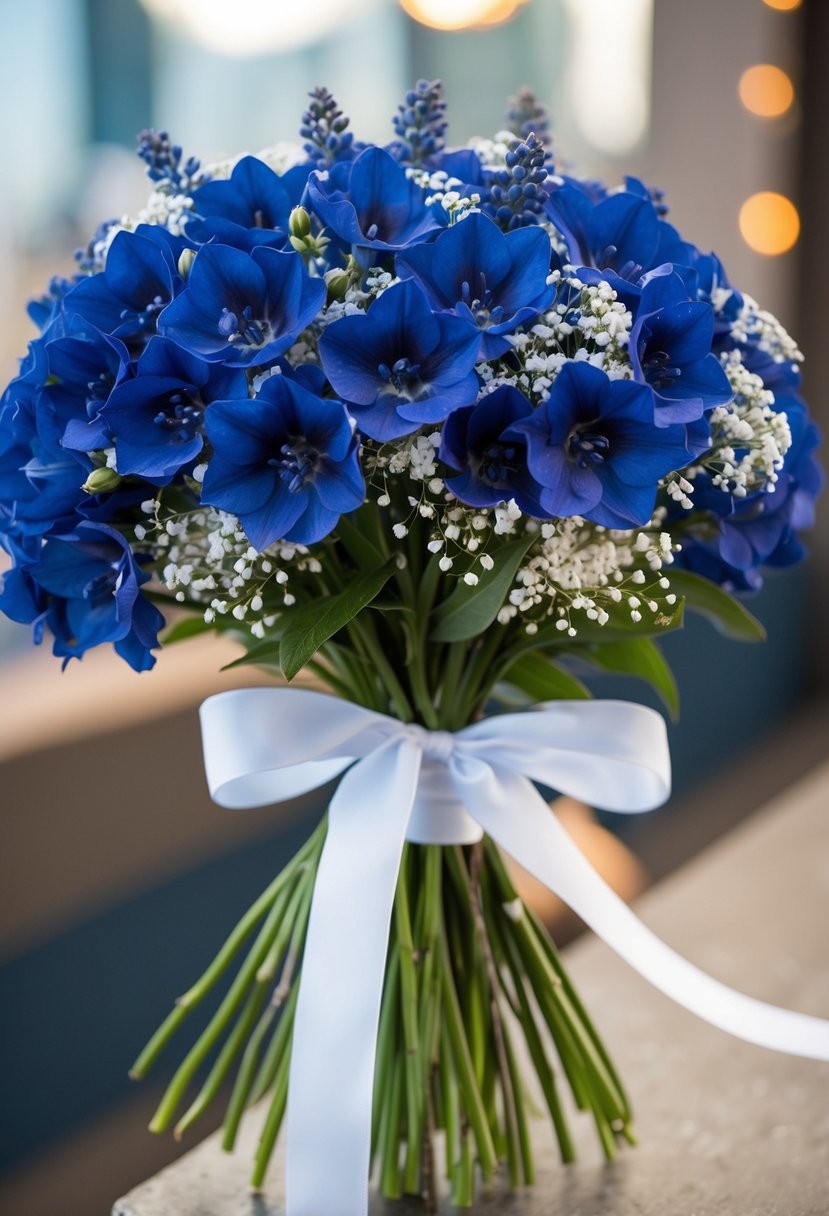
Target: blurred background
118,878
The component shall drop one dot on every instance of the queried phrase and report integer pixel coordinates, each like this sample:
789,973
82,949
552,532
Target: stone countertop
725,1128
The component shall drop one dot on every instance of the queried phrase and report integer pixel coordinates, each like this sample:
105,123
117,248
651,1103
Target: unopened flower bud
185,262
337,282
101,481
299,223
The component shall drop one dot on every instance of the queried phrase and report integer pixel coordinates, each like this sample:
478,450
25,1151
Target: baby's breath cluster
205,558
439,360
749,438
580,572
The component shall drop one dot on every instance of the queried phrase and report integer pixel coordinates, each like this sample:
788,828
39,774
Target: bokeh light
769,223
257,27
766,90
461,14
783,6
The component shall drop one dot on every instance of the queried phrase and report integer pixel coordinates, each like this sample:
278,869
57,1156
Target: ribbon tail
340,989
509,808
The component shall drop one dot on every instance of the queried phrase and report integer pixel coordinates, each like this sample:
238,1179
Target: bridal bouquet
443,428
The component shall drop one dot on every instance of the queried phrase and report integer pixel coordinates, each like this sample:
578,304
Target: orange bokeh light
461,14
783,6
769,223
766,90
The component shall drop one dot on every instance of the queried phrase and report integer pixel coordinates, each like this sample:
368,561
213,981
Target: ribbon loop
404,782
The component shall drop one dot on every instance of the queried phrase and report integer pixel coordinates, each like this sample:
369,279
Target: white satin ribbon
265,745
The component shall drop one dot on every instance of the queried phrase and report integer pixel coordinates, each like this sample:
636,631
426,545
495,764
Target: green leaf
727,615
265,654
187,627
309,627
639,657
360,549
543,680
620,628
470,610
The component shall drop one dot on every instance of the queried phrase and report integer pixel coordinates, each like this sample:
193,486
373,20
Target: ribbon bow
266,745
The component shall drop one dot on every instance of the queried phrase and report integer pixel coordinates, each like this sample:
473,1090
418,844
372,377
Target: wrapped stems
470,971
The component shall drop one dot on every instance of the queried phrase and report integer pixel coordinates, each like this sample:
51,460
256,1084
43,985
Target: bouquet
443,428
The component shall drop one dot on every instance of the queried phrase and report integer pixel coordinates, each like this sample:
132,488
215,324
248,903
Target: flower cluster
453,346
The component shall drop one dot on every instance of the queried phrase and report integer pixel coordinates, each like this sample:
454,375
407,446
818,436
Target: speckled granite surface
726,1129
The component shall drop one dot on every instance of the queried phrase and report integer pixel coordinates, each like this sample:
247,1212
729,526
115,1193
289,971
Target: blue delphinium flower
371,203
493,467
742,536
400,365
40,481
250,207
594,448
286,462
242,308
420,124
43,309
156,418
325,130
87,585
495,280
619,232
670,349
517,193
84,366
139,279
527,116
20,597
164,162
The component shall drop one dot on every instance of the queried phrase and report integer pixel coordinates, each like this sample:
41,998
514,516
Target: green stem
386,1039
449,1101
233,1045
450,694
278,1048
555,962
222,961
273,1122
470,1093
390,1182
511,1099
363,628
244,1079
220,1020
409,1011
523,1131
535,1046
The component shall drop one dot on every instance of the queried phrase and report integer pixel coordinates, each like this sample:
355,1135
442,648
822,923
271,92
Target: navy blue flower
493,466
251,207
618,232
139,279
496,281
740,536
156,418
517,193
40,481
87,583
325,129
286,462
242,308
400,365
84,366
526,115
164,162
44,309
420,124
594,448
370,203
670,349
